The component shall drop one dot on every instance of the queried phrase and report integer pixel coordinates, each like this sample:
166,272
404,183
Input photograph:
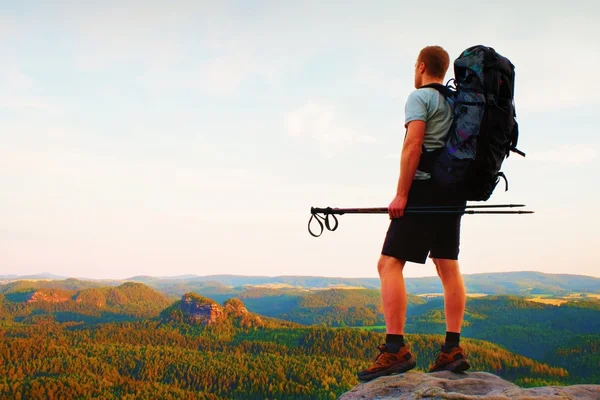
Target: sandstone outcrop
48,296
200,309
469,386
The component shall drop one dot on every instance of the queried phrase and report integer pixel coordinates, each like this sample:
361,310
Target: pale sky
192,137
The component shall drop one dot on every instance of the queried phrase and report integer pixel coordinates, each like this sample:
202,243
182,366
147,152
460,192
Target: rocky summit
471,385
200,309
196,309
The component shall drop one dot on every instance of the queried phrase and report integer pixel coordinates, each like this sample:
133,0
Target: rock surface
235,307
200,309
471,385
48,296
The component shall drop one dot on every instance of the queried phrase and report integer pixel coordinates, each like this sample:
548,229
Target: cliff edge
471,385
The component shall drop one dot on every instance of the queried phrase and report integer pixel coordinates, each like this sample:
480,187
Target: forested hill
96,304
333,307
194,309
152,359
64,284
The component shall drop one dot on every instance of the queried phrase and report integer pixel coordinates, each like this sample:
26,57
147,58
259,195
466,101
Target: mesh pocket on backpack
449,169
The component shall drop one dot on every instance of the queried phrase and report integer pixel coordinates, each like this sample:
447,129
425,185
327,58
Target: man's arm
409,161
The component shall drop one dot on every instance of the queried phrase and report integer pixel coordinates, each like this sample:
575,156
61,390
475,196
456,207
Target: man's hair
436,60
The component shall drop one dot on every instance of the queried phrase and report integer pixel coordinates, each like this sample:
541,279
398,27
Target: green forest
133,342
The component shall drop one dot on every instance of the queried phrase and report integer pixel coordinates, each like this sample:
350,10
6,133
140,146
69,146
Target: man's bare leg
452,357
454,293
395,356
393,293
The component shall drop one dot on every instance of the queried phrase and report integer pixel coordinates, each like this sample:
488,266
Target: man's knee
387,263
437,266
446,267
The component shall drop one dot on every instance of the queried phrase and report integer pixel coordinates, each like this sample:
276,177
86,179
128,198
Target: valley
262,340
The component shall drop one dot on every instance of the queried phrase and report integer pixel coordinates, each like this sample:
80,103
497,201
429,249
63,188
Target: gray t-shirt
431,106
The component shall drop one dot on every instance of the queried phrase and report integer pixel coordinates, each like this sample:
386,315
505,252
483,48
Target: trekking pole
324,221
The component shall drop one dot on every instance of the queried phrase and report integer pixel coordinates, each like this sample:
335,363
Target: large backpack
484,129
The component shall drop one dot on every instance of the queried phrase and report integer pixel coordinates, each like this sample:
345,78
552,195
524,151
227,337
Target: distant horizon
58,276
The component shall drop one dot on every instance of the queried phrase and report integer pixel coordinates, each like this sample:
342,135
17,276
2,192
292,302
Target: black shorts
413,237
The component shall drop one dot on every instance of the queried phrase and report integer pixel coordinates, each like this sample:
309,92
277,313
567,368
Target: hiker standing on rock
428,117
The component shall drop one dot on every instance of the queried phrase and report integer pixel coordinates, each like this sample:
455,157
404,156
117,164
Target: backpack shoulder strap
443,89
428,158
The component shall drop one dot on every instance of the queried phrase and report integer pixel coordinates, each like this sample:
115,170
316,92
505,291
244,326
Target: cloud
216,76
573,155
543,84
184,46
23,102
106,34
322,124
7,25
18,90
12,78
194,45
380,82
40,153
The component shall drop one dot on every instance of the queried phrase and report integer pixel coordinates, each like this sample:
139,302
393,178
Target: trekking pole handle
342,211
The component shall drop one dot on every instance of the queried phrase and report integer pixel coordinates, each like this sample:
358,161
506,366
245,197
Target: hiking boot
455,361
388,363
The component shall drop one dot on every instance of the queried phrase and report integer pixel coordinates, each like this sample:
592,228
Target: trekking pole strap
323,223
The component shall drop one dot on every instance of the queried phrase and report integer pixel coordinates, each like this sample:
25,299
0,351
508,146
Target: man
428,117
